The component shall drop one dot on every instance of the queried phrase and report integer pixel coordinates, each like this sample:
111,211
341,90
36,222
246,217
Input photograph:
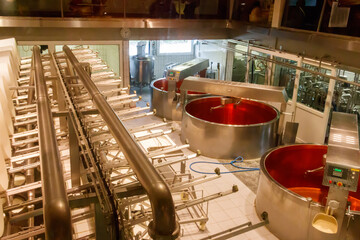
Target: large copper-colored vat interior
288,166
162,84
246,112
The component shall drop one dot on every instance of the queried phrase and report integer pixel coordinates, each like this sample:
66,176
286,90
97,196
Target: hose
239,159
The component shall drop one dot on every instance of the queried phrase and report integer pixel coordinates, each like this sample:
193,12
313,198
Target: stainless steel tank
144,70
244,127
292,195
160,101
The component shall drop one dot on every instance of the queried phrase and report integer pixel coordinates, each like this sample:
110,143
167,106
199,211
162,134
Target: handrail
57,215
164,224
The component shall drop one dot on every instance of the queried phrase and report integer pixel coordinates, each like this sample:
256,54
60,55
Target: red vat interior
288,165
245,113
162,84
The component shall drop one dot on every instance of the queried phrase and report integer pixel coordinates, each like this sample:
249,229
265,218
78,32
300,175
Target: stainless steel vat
244,128
144,67
293,197
160,101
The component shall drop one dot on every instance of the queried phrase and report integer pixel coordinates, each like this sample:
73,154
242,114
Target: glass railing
168,9
336,17
259,12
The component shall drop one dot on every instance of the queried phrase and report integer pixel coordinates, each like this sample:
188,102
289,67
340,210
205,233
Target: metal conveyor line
164,224
57,215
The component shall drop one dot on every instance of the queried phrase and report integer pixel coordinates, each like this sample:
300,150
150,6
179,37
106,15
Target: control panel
173,75
341,177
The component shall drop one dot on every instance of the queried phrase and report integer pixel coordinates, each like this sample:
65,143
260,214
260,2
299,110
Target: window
313,88
258,68
285,76
135,45
175,46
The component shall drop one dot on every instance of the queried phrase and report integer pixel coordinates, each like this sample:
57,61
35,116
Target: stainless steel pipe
55,203
164,224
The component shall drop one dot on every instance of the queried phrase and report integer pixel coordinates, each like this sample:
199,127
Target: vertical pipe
321,16
55,203
31,91
164,224
29,174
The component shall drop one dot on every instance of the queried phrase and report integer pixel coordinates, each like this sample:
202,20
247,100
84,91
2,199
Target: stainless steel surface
290,214
186,69
144,70
341,172
343,152
165,94
290,132
57,215
291,197
109,23
75,161
108,29
235,89
219,140
166,107
164,223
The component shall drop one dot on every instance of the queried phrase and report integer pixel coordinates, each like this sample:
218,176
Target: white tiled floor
228,211
224,212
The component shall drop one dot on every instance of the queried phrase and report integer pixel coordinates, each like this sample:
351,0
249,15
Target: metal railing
57,215
164,224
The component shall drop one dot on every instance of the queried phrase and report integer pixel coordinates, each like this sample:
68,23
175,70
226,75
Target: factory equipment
166,93
305,188
229,127
105,194
223,127
341,173
144,67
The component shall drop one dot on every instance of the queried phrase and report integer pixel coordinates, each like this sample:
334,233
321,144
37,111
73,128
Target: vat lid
235,89
343,146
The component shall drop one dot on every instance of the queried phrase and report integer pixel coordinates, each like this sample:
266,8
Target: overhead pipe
164,224
57,215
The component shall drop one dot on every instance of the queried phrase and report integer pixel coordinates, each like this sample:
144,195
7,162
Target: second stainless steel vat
244,127
292,195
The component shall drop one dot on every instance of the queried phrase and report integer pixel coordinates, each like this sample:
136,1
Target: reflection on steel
113,23
164,223
343,153
227,128
164,106
292,196
56,207
235,89
166,92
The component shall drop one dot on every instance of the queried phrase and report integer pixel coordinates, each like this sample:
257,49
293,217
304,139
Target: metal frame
164,222
57,215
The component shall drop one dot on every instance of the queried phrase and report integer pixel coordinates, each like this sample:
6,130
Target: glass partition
313,88
108,53
346,96
239,65
302,14
285,76
189,9
30,8
258,68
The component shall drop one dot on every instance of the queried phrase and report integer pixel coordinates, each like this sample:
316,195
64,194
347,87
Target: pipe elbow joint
57,220
164,224
170,236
